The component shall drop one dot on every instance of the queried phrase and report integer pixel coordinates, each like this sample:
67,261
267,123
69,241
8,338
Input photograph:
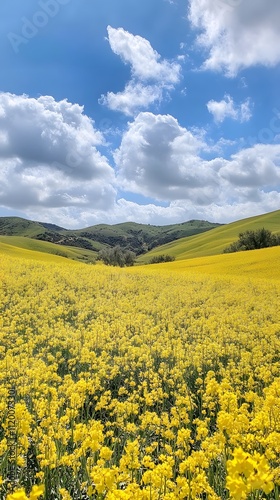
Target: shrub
117,256
158,259
252,240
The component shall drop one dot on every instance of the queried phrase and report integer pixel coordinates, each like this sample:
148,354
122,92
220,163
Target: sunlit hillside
253,264
216,240
129,235
21,245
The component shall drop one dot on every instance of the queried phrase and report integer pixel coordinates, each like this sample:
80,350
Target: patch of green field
215,241
24,243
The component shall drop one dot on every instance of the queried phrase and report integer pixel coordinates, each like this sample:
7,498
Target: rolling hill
11,247
129,235
215,241
142,237
184,241
254,265
33,245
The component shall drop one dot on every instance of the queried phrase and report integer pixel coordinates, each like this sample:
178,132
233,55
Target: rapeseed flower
139,383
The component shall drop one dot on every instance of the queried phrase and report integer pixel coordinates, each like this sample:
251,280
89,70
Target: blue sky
156,111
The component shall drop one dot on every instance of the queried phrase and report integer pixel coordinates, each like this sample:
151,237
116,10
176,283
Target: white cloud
164,161
254,167
49,155
177,211
134,97
152,76
145,62
226,108
238,34
51,169
245,112
159,158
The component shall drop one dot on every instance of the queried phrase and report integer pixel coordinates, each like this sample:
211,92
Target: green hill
23,242
215,241
129,235
190,239
16,226
142,237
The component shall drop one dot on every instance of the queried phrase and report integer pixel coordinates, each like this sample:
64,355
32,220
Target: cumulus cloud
254,167
159,158
151,75
51,169
162,160
150,213
226,108
134,97
146,63
238,34
49,155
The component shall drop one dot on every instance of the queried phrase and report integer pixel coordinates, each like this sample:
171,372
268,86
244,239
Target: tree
252,240
158,259
117,256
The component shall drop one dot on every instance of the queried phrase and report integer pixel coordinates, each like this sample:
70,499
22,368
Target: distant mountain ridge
139,238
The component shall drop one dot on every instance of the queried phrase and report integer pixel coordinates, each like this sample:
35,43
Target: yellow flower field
149,383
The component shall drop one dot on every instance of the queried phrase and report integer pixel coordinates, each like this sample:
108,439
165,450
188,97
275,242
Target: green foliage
117,256
141,238
138,238
253,240
158,259
213,242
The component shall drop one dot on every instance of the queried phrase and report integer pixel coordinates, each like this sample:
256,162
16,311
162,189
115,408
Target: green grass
209,242
129,235
16,226
213,242
23,253
26,243
141,237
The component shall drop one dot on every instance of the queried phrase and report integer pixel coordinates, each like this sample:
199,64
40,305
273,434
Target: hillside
142,237
16,226
30,245
187,240
215,241
132,236
15,251
263,264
